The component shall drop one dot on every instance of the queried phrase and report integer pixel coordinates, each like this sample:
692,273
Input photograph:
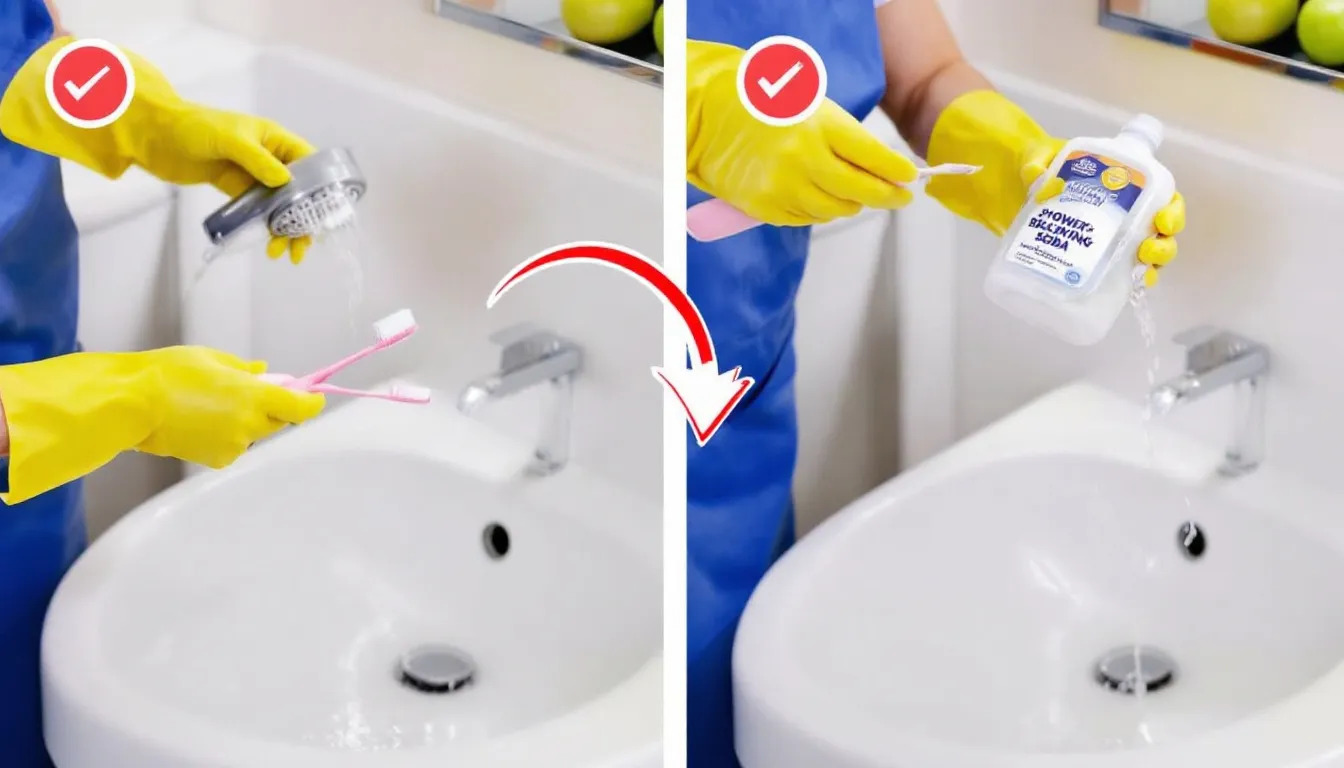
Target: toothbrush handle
714,219
304,384
321,375
332,389
280,379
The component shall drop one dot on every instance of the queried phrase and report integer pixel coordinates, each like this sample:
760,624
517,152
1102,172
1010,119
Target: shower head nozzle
321,196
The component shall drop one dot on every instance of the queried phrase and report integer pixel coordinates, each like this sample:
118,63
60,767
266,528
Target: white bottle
1068,264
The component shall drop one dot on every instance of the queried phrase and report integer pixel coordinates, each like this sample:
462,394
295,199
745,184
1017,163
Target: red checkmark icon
90,83
781,80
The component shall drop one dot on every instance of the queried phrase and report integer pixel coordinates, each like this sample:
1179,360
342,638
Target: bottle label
1066,236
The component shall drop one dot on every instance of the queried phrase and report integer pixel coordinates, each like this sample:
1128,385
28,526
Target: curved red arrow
627,261
706,395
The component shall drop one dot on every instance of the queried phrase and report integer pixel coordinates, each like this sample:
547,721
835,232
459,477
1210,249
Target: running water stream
343,240
345,244
339,246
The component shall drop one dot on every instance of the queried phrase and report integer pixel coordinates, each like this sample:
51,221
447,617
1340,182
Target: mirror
621,36
1303,39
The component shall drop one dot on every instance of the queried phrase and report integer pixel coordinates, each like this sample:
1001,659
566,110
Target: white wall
848,373
1060,45
569,101
401,39
116,19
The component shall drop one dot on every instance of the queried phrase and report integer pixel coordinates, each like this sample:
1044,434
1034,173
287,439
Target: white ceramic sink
255,617
953,617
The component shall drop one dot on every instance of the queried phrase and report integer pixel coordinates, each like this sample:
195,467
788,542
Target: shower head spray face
321,196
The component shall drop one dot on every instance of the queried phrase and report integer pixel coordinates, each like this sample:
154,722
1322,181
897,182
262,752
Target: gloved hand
826,167
172,139
69,415
984,128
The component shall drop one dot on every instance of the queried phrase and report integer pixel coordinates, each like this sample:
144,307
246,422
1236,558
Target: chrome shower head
320,196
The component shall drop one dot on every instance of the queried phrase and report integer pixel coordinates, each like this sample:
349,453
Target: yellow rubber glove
69,415
826,167
984,128
172,139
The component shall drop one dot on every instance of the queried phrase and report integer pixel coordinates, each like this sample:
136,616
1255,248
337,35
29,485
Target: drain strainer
437,669
1136,669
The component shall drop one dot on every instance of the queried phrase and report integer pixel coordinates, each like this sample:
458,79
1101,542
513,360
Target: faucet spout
1168,395
531,358
475,394
1216,359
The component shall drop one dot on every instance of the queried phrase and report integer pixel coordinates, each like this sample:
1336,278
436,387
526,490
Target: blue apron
739,513
39,278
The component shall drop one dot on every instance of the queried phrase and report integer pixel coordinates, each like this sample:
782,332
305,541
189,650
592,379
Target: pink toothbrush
389,331
714,219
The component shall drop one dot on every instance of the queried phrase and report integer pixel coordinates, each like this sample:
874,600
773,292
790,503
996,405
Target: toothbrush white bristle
410,392
396,323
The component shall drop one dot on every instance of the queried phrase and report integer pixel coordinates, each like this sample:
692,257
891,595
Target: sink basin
959,615
259,616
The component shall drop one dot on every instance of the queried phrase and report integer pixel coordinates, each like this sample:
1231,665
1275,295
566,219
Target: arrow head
706,395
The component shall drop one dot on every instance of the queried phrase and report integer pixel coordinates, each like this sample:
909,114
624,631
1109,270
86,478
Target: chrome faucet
1215,359
531,357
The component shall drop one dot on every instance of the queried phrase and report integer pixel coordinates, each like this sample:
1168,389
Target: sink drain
496,541
1191,540
437,669
1136,669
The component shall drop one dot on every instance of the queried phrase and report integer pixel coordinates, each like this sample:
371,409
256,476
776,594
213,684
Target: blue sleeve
25,26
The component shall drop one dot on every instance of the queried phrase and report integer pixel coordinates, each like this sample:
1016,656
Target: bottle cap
1147,128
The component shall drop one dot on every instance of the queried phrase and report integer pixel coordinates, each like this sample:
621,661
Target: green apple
603,22
658,29
1250,22
1320,30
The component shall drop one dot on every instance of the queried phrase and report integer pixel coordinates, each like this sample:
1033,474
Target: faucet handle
513,334
525,344
1205,336
1197,336
1207,346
